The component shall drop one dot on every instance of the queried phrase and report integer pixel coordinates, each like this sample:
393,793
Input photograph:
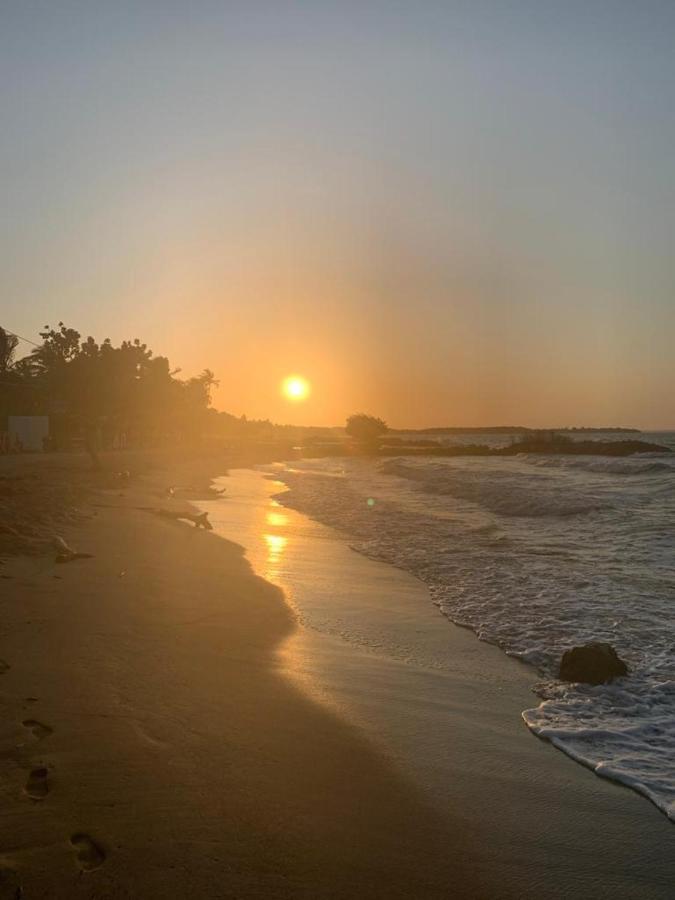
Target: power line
21,337
28,341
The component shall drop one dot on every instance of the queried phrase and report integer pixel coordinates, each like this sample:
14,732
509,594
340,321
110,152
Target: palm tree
8,345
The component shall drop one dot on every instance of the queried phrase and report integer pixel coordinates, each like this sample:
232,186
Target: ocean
536,554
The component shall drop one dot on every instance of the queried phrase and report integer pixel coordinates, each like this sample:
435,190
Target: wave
534,588
631,466
624,731
503,492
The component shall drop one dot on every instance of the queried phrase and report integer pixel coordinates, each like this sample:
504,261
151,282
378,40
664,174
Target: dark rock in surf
595,663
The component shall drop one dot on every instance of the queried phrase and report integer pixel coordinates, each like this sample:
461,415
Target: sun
295,388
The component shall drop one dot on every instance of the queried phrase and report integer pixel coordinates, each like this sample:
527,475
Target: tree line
101,394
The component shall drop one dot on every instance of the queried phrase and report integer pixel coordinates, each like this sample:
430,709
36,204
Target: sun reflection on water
276,544
277,519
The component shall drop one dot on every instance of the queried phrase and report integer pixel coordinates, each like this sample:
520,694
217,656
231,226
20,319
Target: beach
446,709
176,724
178,759
337,451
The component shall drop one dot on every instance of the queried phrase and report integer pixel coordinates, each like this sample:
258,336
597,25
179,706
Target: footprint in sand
37,786
39,730
4,666
89,854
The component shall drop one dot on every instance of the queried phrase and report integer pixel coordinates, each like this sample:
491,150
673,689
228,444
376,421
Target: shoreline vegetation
70,393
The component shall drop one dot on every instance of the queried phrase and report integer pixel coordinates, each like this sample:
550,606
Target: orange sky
457,214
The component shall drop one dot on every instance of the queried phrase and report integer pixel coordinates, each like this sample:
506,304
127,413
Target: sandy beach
151,747
174,726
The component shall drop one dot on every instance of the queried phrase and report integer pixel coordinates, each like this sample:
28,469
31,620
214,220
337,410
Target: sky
440,213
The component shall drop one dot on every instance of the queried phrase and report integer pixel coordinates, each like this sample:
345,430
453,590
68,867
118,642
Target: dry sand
149,746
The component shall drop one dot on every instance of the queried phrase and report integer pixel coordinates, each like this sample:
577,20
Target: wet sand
151,746
445,708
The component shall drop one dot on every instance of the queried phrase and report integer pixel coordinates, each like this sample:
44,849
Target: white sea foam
536,554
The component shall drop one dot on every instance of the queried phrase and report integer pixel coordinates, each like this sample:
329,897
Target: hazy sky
438,212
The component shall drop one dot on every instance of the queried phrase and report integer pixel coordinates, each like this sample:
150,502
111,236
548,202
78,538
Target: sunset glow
483,257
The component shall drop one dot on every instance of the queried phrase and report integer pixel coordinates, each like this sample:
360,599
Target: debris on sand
65,553
199,521
202,521
207,493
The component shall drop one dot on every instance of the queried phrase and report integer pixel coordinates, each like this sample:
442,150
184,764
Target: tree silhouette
99,390
365,428
8,345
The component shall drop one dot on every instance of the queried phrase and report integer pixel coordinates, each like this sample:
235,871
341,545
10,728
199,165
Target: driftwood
67,554
199,521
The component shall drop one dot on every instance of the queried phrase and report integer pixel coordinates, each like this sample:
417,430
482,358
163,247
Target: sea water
536,554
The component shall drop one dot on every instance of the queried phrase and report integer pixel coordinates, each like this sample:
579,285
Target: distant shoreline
553,446
513,429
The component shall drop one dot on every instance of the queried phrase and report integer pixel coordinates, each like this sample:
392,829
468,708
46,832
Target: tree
8,344
102,390
365,428
199,389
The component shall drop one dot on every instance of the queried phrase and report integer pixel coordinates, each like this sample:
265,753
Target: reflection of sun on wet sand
276,544
371,647
147,716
